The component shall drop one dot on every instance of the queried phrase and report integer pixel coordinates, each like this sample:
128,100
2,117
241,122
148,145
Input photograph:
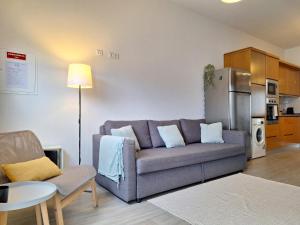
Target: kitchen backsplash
287,101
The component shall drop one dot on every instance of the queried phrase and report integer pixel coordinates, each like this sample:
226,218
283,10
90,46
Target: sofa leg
94,193
58,210
139,200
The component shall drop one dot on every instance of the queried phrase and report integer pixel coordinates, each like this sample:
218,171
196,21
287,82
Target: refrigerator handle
229,112
232,116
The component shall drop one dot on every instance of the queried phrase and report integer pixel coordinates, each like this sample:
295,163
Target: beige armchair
23,146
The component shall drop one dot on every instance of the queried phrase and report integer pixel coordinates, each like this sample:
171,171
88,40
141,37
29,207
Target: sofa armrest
127,187
235,137
129,154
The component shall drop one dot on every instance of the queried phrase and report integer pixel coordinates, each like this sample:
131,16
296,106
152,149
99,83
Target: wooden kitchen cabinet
283,80
240,59
289,80
288,129
272,68
258,68
298,129
264,65
286,132
292,82
297,83
273,136
252,60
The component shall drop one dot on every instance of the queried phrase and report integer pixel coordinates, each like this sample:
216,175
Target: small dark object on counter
4,194
290,110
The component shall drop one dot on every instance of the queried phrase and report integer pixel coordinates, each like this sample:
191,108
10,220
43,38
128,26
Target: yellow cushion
33,170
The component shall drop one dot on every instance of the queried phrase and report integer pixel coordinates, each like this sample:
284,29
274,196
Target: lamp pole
79,123
79,77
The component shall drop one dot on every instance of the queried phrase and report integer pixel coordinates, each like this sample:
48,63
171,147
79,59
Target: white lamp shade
80,75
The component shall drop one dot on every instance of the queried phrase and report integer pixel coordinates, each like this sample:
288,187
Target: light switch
114,55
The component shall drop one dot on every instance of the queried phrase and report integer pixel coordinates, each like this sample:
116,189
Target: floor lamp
80,76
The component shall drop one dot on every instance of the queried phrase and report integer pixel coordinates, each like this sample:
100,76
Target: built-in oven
272,110
272,89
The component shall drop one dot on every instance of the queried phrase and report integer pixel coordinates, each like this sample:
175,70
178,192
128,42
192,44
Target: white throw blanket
111,157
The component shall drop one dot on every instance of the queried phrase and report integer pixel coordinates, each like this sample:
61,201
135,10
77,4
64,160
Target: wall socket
114,55
99,52
110,54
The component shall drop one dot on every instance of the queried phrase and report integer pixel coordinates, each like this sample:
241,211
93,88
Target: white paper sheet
16,75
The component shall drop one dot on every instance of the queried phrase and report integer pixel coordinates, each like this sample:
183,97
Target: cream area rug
235,200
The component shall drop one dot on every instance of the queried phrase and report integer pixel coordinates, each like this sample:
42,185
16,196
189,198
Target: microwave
272,89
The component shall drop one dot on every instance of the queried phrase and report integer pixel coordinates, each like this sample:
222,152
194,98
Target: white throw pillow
171,136
126,132
211,133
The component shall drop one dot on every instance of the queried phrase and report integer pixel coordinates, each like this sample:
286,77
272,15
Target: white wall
163,49
292,55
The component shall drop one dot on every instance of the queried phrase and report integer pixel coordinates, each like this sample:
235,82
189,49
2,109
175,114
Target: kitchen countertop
290,115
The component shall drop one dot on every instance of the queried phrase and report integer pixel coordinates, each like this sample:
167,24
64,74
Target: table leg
3,218
38,215
58,210
45,213
94,193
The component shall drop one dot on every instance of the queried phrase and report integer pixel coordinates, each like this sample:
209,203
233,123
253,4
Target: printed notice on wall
17,73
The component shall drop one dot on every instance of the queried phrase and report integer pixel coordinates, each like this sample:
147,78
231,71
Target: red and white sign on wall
17,72
14,55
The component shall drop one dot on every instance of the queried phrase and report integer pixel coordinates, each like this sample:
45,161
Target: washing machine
258,141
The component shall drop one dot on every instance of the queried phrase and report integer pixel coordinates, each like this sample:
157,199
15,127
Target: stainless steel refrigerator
229,100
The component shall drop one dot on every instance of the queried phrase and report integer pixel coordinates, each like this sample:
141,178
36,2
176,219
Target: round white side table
26,194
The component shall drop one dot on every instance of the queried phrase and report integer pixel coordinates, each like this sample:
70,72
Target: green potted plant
209,75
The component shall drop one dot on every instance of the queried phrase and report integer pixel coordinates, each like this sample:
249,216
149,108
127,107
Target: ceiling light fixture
230,1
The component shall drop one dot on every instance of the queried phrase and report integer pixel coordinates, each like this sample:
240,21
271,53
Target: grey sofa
155,169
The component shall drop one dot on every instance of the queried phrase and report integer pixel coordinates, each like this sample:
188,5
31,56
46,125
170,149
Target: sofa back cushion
157,141
191,130
140,128
171,136
212,133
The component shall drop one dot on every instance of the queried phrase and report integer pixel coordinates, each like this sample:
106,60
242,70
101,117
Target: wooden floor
280,165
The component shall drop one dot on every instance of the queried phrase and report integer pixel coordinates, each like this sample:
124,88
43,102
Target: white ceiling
275,21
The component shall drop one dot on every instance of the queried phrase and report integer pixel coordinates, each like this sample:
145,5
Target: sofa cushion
191,130
157,141
211,133
126,132
140,128
171,136
161,159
